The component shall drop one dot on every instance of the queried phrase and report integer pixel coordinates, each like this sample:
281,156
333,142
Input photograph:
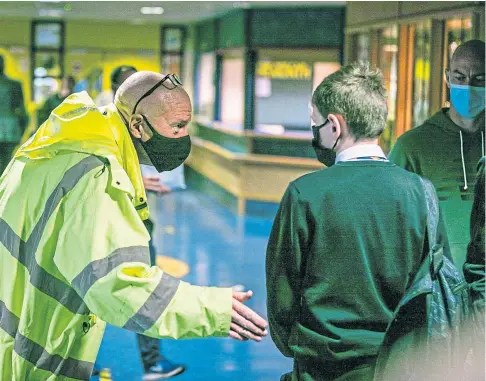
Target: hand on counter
152,183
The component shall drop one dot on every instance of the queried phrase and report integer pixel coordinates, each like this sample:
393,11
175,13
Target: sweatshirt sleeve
103,253
287,243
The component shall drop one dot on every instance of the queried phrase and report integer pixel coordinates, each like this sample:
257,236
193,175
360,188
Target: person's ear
448,77
135,126
336,124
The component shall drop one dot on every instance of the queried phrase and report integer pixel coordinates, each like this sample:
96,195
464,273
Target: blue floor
221,250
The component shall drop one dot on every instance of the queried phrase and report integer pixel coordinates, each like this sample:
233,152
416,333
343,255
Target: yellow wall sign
284,70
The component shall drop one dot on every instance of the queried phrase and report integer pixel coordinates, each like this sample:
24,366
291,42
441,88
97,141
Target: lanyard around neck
363,158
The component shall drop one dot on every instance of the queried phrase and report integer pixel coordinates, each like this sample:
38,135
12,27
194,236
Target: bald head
161,101
467,64
472,49
165,111
465,79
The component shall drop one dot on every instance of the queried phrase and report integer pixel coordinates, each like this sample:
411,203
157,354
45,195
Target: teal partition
206,36
283,147
231,30
297,28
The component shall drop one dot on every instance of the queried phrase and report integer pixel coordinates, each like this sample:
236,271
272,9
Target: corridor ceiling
130,11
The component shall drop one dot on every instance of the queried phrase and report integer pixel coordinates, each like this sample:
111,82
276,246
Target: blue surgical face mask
468,101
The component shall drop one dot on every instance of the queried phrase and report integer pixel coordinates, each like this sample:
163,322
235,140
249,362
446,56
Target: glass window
48,35
457,31
47,64
421,80
172,49
173,39
233,91
205,88
288,77
172,64
279,83
388,62
47,67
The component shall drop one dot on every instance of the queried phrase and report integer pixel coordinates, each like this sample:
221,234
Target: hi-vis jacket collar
78,125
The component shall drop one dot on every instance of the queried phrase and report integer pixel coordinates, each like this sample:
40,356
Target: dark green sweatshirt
433,150
345,243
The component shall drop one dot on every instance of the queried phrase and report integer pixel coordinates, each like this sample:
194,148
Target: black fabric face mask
325,155
166,153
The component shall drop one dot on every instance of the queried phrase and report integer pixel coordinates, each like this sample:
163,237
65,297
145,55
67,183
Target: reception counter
243,168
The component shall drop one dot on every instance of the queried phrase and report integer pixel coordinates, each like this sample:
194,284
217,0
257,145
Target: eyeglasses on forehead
170,82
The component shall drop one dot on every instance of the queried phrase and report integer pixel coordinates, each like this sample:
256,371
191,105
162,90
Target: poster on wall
263,87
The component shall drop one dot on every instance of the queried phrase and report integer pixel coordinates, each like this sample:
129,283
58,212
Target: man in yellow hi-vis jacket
73,246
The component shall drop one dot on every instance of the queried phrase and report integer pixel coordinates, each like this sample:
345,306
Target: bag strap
435,250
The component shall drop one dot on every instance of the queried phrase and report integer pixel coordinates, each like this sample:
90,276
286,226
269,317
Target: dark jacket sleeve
286,248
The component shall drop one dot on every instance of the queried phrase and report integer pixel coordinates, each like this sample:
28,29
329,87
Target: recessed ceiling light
50,12
152,10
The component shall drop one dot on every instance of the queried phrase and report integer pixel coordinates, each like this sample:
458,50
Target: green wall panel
297,27
232,30
206,36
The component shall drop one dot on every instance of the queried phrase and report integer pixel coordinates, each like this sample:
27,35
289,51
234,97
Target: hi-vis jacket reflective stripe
73,247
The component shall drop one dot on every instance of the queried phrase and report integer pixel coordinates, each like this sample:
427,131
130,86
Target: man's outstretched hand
246,323
152,183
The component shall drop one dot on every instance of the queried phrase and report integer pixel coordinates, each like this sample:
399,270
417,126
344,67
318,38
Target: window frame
60,50
164,51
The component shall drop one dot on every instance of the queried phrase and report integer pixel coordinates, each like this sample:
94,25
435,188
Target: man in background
13,117
447,147
117,77
67,86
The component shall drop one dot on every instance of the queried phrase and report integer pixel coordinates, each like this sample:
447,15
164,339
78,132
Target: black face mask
166,153
325,155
